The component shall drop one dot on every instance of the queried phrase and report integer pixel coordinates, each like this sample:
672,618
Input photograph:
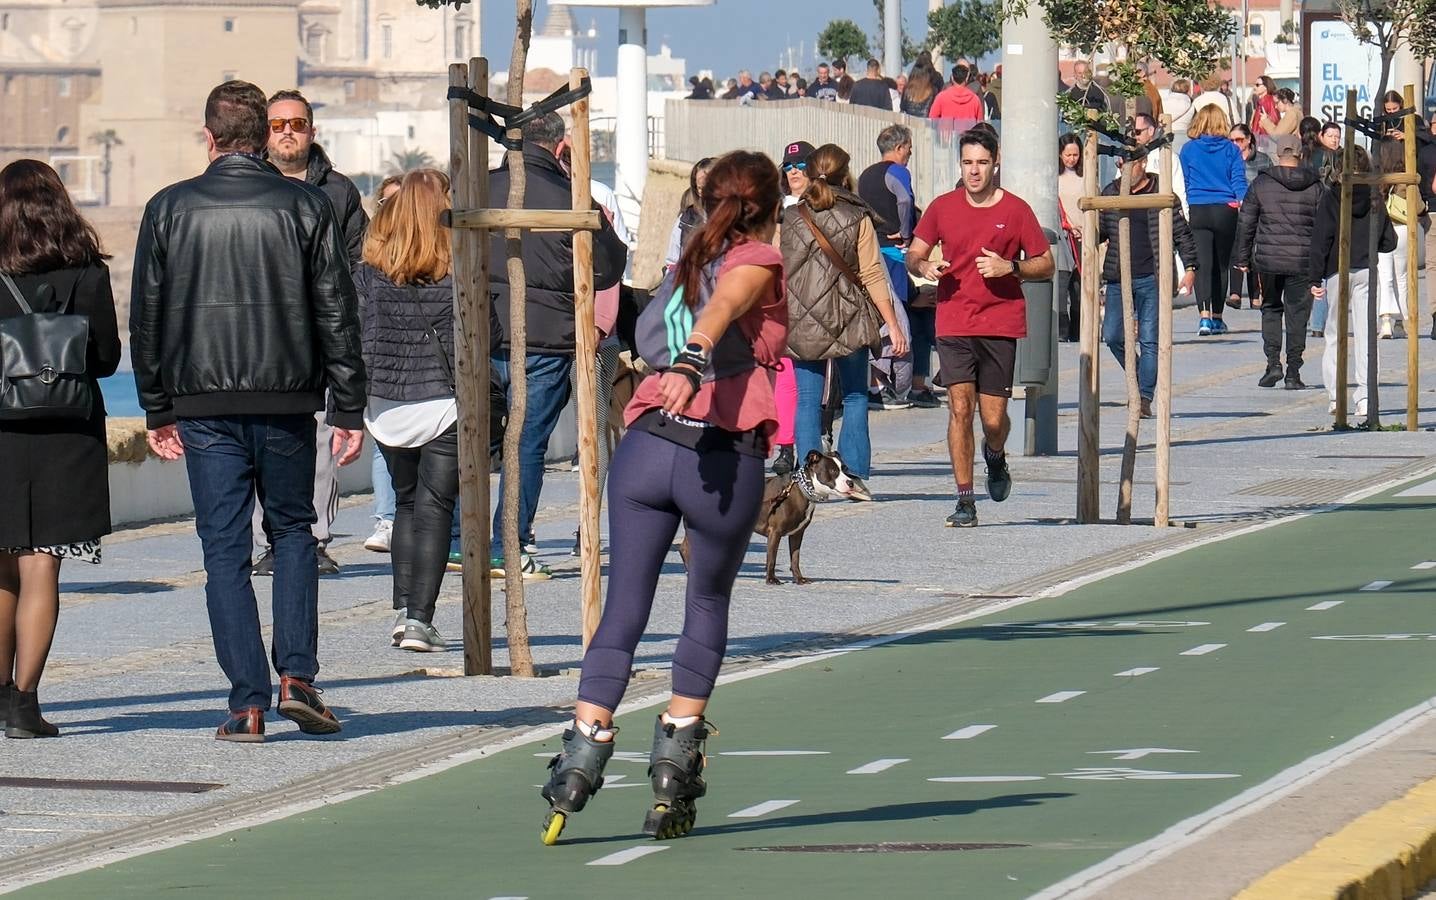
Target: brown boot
1147,409
244,726
24,720
299,702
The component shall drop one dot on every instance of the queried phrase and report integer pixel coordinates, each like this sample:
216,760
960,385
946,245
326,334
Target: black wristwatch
1016,266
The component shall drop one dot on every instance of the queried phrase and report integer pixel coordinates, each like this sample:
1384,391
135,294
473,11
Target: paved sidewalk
134,686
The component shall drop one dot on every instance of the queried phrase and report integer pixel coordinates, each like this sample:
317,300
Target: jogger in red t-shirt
991,242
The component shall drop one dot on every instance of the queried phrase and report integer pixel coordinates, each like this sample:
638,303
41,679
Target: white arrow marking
1422,566
876,766
1060,696
1377,586
1202,650
1325,604
1424,489
984,779
761,809
1266,626
774,753
1122,774
1133,673
968,731
629,855
1138,752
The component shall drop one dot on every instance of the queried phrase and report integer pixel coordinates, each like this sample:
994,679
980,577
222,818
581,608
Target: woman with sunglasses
794,170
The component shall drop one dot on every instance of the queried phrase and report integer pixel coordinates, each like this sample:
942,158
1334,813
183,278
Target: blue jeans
1144,306
853,443
548,384
384,501
231,459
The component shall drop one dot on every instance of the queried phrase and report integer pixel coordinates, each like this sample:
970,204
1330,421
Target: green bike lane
991,758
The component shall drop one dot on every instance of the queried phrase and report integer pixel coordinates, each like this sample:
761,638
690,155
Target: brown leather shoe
299,702
244,726
1147,409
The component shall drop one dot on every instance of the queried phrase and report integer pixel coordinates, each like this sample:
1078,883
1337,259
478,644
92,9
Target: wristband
695,378
693,355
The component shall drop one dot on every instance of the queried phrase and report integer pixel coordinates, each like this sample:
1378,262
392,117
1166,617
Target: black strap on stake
512,116
1129,150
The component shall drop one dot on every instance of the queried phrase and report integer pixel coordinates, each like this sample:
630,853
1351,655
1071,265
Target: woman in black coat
54,481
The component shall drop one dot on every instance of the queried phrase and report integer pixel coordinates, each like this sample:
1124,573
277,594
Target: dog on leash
789,502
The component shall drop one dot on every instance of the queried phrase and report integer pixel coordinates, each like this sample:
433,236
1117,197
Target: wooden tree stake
1164,342
1343,262
1089,461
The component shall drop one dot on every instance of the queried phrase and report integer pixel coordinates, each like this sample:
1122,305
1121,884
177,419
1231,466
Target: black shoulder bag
42,362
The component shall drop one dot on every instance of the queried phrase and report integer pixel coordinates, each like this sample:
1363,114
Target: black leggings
1214,225
426,486
653,485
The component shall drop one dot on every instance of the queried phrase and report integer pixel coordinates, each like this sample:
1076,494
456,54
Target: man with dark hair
958,102
872,90
548,270
293,150
991,242
778,90
242,315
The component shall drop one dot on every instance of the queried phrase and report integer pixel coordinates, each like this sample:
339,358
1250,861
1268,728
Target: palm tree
409,159
107,139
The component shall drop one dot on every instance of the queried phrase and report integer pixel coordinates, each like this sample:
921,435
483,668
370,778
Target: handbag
870,322
1396,209
42,362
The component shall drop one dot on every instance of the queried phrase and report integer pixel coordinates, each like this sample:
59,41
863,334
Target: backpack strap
15,292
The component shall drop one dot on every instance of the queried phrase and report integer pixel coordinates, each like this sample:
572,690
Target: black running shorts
988,362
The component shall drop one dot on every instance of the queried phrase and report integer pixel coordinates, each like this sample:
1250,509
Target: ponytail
739,197
827,166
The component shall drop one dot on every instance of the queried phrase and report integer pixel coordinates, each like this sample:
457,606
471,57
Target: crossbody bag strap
15,292
827,247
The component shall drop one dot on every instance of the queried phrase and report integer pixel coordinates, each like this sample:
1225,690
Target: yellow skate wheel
553,828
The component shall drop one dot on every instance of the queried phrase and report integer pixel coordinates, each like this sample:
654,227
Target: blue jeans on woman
1144,307
853,445
384,499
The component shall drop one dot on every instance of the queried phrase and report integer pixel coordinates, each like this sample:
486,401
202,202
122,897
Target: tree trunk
1129,333
521,661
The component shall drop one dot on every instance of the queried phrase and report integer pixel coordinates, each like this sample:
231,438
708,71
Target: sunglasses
298,125
800,166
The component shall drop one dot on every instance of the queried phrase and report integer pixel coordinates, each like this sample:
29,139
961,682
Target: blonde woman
406,307
1216,179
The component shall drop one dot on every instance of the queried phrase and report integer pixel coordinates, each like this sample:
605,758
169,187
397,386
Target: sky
725,37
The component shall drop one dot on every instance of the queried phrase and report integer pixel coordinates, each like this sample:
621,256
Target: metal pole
892,37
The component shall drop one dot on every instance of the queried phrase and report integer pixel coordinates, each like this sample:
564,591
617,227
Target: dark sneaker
299,702
924,400
327,565
999,480
396,634
1272,376
1219,327
264,565
244,726
421,637
456,562
784,461
965,516
1294,383
1147,409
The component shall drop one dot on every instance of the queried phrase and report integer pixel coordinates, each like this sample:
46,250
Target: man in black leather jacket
242,314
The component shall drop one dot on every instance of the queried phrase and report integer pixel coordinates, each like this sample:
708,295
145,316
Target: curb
1386,854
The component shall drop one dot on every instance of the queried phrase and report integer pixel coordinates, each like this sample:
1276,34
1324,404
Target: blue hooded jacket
1214,171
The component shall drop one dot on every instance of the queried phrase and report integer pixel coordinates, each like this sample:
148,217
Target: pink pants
785,393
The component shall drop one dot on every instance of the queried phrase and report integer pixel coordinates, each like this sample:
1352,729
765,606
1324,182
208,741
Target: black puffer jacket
1277,219
242,301
399,323
1109,219
348,206
548,258
1323,236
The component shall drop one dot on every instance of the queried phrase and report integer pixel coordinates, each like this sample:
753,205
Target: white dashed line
967,732
1422,566
876,766
1325,604
984,779
774,753
1265,626
1202,650
1061,696
1133,673
761,809
1377,586
629,855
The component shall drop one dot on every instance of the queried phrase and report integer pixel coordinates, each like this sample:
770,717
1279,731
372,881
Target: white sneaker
379,540
1386,326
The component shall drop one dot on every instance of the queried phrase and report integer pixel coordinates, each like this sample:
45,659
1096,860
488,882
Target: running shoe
924,400
1204,327
396,634
965,516
264,566
383,534
532,570
999,480
783,463
456,561
1218,326
421,637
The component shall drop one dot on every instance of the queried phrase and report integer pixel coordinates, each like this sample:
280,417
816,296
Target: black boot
24,720
6,690
1293,379
1272,376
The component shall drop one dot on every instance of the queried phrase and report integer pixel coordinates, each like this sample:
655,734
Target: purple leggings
653,484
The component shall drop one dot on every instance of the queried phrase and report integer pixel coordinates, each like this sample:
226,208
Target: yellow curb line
1387,854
